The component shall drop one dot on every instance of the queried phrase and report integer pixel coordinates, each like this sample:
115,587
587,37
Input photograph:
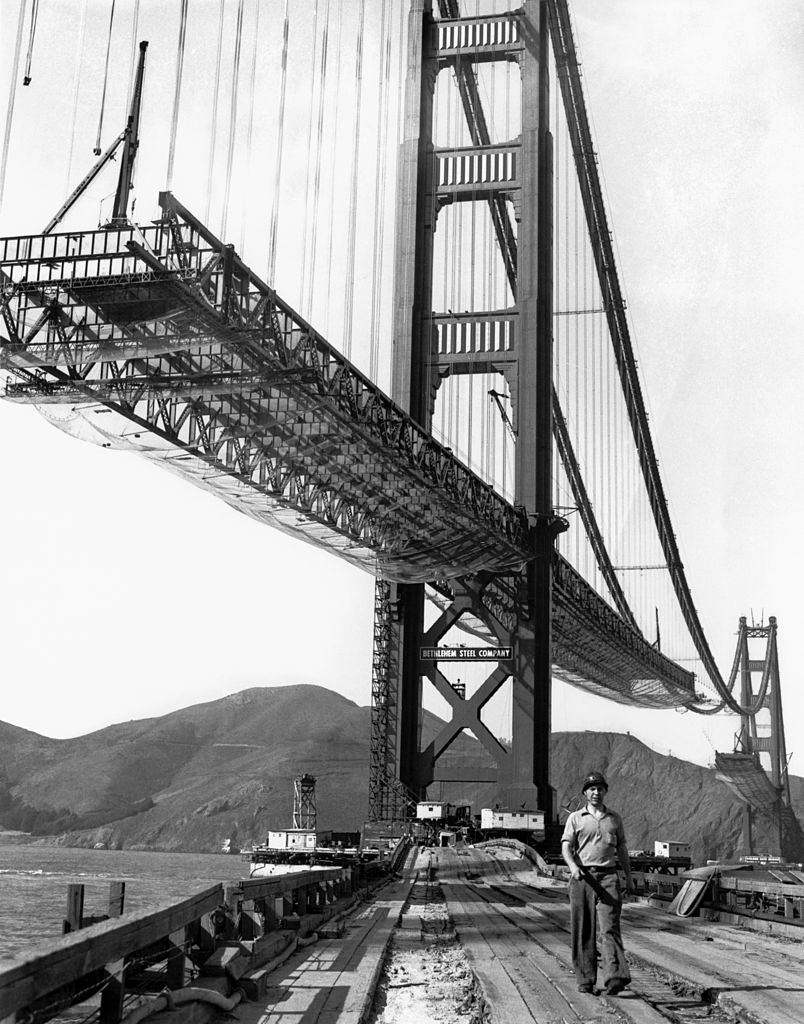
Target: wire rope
132,63
79,64
319,146
214,123
244,220
232,119
174,120
352,222
308,161
381,164
26,80
333,165
12,93
280,137
97,149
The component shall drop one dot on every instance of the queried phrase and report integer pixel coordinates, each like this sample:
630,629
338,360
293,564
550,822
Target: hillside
225,769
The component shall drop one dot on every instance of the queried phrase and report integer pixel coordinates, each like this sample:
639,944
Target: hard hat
594,779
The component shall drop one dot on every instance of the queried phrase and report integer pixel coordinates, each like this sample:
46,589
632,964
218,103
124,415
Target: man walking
593,847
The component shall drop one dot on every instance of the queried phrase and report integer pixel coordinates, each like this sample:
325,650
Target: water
34,879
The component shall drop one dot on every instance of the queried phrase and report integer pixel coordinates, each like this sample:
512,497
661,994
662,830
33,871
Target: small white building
432,811
526,821
671,849
296,839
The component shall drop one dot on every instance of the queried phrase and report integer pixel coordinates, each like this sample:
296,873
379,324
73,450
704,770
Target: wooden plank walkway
513,927
334,980
750,976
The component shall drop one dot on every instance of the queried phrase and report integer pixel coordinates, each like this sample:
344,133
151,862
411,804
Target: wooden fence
167,946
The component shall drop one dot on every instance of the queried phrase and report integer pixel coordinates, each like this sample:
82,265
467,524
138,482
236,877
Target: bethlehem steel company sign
466,653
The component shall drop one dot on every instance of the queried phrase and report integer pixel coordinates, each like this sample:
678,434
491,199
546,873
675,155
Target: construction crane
130,139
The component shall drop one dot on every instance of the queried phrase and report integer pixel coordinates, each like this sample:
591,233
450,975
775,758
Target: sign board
466,653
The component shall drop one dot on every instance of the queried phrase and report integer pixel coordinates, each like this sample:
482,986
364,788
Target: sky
127,593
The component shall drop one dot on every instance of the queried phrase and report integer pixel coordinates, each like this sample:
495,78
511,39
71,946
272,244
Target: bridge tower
513,179
759,682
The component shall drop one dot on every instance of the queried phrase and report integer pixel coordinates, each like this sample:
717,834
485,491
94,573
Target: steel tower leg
772,740
516,610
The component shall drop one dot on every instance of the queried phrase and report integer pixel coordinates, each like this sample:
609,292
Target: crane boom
119,213
84,184
129,136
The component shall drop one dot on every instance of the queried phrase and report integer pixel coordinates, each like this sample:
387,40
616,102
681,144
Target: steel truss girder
593,647
242,383
613,660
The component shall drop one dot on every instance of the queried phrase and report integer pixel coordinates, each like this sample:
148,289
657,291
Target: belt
599,871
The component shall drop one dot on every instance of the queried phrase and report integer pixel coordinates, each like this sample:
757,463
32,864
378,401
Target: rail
250,920
729,898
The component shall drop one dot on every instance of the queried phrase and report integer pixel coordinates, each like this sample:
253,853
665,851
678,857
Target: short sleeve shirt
594,840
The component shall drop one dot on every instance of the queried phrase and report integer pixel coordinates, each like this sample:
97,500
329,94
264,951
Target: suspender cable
132,63
214,127
132,69
174,121
333,163
350,255
250,124
79,63
232,119
97,149
34,15
306,193
12,93
379,188
280,135
307,297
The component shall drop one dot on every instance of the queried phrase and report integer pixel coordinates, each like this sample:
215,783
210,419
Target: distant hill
224,770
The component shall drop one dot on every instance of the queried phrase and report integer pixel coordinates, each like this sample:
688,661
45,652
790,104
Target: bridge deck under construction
160,340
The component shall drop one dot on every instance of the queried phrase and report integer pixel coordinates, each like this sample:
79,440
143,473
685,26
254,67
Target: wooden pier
309,948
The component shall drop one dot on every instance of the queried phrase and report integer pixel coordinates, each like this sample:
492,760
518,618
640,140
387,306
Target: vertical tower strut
514,609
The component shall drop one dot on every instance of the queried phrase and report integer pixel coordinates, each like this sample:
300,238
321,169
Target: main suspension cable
597,224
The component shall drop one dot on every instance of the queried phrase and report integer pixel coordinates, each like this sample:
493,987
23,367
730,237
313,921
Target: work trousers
593,898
